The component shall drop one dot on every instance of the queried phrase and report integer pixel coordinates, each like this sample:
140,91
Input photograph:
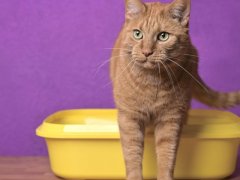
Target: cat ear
134,8
180,11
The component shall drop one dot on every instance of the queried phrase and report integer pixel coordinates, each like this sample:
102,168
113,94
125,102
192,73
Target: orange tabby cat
154,74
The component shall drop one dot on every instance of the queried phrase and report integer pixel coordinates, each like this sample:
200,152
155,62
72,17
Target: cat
154,72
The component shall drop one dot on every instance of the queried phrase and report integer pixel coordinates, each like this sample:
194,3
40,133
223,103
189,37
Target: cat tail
212,98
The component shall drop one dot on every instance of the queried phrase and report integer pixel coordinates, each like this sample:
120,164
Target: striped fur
154,91
214,98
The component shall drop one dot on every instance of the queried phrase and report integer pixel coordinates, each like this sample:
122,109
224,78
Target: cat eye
137,34
163,36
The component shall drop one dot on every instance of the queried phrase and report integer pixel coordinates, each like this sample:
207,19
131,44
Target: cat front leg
132,140
167,135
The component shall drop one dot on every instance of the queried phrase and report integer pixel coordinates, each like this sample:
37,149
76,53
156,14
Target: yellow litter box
84,144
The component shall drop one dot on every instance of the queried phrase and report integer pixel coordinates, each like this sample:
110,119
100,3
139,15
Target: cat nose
147,52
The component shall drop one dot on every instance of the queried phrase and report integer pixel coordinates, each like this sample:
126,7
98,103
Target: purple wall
50,50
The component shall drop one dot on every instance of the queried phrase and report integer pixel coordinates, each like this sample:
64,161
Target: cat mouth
147,64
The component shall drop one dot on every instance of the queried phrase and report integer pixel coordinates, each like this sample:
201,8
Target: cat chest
145,97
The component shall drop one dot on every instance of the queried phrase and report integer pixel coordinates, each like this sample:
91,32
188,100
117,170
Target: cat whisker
129,50
174,75
160,80
192,61
159,71
135,54
119,75
156,58
105,62
171,80
191,55
189,74
136,87
132,67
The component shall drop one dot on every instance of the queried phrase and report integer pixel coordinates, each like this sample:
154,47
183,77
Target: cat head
156,32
